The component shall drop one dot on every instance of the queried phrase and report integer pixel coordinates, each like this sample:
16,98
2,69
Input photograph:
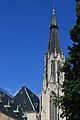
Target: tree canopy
70,101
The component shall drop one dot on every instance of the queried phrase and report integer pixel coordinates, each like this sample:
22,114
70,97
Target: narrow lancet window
53,68
53,107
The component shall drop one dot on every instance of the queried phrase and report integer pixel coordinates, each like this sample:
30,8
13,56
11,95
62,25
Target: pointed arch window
58,70
53,68
53,107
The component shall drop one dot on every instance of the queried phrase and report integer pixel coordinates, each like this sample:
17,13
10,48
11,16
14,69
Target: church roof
27,99
54,43
8,105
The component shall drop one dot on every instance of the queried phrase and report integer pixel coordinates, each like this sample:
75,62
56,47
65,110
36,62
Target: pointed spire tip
53,12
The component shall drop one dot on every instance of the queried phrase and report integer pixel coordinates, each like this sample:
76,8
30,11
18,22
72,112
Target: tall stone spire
54,44
52,76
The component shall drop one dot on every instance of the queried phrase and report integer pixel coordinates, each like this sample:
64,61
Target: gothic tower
53,59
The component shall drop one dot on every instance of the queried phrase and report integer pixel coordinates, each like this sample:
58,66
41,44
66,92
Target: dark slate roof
27,99
54,43
4,99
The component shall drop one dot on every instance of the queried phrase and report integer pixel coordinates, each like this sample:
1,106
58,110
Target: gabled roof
8,105
27,99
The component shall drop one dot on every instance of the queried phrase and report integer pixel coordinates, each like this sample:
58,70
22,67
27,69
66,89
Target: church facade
25,105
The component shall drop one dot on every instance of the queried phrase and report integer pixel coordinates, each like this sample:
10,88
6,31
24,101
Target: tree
70,101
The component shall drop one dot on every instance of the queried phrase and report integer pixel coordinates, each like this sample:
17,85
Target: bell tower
52,77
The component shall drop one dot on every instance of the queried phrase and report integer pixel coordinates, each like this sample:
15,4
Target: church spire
54,45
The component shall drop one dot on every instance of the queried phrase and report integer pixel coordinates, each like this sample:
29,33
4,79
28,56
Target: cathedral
25,105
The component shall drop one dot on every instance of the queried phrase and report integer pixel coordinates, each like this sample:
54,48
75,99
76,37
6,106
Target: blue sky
24,34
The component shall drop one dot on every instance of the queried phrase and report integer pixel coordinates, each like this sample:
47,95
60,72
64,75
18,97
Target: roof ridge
5,92
30,91
29,99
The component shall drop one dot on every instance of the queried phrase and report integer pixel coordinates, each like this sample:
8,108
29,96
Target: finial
53,11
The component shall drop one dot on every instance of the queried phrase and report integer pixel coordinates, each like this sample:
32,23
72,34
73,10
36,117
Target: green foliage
78,8
70,101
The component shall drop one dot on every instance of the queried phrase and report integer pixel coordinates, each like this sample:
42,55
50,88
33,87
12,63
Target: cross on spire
53,10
